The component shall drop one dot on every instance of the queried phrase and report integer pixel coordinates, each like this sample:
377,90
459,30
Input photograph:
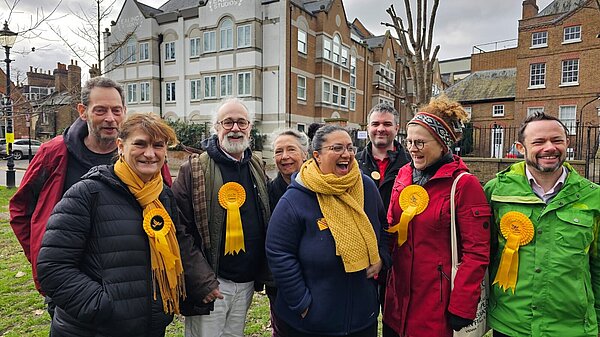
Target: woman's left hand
374,269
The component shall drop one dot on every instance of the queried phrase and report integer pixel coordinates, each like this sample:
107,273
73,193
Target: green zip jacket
559,270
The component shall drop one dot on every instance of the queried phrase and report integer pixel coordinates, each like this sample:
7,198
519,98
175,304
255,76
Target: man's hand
213,295
374,269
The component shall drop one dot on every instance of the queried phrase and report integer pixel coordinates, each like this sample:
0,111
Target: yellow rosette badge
518,231
157,224
231,197
413,200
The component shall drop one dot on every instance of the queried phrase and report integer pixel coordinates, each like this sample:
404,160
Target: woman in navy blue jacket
324,244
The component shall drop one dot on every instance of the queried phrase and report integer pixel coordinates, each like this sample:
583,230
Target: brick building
19,107
293,62
553,69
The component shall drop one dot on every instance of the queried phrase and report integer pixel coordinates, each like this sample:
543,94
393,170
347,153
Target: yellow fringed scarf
167,269
341,200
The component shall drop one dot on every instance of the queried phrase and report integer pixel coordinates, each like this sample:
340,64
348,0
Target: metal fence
498,142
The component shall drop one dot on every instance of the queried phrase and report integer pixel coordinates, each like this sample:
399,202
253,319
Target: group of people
117,248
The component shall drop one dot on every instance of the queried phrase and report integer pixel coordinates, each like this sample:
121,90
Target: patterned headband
436,126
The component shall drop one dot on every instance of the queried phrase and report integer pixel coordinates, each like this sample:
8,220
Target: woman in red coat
418,300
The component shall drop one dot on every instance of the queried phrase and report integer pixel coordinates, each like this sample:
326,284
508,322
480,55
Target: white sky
460,25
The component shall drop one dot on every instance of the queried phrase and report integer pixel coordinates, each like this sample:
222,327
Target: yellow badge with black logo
322,224
157,224
413,200
231,197
518,231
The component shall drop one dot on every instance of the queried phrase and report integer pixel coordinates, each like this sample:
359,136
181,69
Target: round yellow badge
375,175
517,224
414,196
232,193
157,221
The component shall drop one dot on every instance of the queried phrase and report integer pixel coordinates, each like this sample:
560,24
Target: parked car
513,152
20,148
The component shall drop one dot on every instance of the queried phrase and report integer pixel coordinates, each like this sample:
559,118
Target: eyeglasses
418,143
228,123
339,148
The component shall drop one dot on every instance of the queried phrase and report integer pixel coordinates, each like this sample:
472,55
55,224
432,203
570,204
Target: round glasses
418,143
228,123
339,148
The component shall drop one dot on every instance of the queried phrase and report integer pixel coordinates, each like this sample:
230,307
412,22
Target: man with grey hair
59,163
382,158
224,204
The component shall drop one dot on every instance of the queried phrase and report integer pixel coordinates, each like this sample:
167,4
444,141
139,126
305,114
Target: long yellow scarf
341,200
167,269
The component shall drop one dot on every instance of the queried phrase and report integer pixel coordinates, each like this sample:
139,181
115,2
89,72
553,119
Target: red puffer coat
418,293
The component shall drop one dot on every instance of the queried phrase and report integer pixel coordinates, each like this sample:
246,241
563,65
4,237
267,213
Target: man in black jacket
382,158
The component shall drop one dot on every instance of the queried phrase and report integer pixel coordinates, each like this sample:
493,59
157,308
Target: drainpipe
160,96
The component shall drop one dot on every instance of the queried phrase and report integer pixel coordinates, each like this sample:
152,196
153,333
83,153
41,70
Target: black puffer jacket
95,261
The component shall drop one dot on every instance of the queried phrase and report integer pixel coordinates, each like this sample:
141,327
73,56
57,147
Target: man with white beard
223,202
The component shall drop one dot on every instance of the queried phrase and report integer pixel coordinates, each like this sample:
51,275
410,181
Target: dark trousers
388,332
287,331
500,334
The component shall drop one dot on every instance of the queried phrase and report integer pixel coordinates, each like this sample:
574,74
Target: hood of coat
73,137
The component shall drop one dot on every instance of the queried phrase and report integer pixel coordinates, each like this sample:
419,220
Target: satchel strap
453,236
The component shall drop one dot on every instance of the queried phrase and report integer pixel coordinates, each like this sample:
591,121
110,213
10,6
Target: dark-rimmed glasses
418,143
339,148
228,123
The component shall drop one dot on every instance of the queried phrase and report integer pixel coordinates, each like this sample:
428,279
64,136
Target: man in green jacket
544,262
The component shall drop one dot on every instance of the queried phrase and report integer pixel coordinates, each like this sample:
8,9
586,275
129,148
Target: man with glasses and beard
544,267
224,205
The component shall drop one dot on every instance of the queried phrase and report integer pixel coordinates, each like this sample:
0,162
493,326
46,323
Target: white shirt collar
539,191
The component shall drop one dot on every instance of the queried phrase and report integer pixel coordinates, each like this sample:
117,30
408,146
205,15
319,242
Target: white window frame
144,92
534,109
210,41
498,110
210,86
326,92
244,84
226,85
571,34
326,48
302,46
170,51
352,101
194,47
343,97
335,94
569,74
301,87
568,116
195,89
170,92
226,35
131,51
539,39
352,71
244,36
337,46
144,51
344,57
537,75
132,93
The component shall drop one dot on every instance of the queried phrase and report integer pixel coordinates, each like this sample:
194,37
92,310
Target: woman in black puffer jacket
101,260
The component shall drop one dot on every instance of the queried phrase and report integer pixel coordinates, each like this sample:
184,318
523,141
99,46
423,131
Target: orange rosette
231,197
413,200
518,231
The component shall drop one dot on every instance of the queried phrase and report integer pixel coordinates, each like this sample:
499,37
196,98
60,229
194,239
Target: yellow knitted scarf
341,200
167,269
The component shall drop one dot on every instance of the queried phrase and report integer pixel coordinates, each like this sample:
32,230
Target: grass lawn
22,309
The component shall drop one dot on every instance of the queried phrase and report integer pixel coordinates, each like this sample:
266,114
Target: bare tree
416,37
88,46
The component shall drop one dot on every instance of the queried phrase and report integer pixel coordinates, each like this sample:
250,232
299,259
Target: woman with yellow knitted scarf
113,259
324,244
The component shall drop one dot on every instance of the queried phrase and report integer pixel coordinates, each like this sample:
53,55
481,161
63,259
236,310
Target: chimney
74,80
94,71
60,78
530,9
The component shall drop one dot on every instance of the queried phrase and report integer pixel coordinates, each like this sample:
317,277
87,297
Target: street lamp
7,40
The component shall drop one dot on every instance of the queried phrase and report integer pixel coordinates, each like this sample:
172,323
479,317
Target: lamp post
7,40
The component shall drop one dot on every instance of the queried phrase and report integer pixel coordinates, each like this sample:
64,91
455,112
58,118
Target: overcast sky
460,25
